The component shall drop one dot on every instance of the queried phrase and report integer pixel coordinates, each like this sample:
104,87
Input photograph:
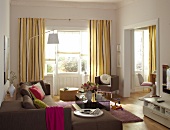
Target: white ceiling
94,1
109,4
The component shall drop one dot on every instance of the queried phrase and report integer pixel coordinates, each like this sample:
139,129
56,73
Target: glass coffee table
83,103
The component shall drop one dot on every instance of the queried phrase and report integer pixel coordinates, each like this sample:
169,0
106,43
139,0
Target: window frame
79,55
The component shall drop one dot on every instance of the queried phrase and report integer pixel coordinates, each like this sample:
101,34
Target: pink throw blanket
55,118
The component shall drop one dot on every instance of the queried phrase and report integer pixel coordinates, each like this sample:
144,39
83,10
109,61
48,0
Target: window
70,55
67,63
141,52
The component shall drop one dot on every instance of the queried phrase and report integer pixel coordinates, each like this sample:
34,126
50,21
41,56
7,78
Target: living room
125,15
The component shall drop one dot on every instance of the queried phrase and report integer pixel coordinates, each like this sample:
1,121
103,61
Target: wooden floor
135,106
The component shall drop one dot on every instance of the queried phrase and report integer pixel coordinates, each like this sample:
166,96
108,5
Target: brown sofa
14,117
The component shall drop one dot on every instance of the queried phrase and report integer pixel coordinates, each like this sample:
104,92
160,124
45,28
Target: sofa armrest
48,89
97,80
114,82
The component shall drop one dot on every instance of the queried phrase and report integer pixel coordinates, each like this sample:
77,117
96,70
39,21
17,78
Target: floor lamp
52,38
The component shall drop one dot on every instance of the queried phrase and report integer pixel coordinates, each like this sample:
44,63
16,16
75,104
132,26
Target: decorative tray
88,112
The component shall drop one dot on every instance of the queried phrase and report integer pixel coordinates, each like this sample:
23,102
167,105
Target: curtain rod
67,19
75,19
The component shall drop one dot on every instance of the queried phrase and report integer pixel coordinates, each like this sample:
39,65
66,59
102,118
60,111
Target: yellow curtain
100,53
31,49
152,50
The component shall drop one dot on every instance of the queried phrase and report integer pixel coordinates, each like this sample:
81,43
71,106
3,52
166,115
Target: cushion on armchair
105,79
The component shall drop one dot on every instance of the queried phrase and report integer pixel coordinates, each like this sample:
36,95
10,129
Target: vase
11,90
89,95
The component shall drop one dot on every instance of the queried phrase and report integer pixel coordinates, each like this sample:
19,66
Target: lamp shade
53,39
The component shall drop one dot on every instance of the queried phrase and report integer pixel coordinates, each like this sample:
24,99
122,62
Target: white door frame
127,56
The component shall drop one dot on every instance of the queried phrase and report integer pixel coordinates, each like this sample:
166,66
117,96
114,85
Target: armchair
108,88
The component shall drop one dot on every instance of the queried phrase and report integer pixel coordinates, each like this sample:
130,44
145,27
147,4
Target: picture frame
6,59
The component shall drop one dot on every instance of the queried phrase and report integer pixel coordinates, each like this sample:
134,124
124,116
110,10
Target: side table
68,95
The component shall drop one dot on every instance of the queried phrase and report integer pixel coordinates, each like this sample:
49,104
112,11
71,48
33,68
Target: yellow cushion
40,104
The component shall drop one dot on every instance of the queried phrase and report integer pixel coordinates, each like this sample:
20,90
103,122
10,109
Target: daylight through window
70,55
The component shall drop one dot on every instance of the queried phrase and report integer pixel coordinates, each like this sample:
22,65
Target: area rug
122,115
125,116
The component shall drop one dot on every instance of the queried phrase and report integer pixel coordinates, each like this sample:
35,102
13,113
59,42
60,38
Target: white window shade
70,42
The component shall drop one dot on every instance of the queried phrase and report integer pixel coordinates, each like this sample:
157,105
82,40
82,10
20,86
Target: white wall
60,11
4,30
146,10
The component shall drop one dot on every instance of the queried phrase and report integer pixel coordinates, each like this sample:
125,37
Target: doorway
141,55
127,59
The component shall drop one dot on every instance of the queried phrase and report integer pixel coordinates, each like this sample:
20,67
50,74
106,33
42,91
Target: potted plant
89,88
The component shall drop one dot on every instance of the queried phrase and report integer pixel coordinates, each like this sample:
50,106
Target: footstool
69,94
103,122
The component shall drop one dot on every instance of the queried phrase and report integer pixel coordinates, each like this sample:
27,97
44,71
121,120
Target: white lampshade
53,39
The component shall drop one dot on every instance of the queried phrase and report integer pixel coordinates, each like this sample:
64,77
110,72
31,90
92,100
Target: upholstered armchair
108,88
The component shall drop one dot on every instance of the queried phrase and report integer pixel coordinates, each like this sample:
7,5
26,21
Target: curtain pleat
100,48
31,49
100,62
152,50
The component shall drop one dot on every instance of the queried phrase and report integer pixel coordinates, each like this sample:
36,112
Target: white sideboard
159,112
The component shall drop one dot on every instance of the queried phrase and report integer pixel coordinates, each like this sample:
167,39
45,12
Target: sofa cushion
35,82
39,104
49,100
42,84
27,102
24,90
36,92
40,87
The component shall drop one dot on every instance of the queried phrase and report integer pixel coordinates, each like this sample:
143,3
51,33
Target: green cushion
39,104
